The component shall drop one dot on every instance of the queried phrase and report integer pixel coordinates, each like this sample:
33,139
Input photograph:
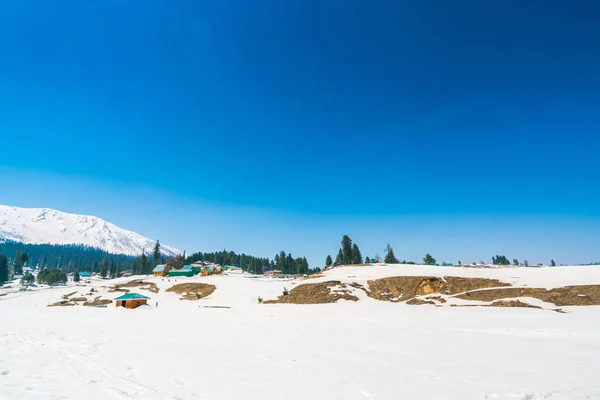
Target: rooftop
132,296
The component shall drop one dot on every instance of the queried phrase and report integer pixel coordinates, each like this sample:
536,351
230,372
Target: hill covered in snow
45,225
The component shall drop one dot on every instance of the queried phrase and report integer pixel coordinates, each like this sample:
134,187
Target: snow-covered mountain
45,225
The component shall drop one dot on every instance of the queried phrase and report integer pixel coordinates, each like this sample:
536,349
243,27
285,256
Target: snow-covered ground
349,350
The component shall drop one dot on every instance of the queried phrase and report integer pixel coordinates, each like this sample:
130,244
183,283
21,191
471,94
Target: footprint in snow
5,373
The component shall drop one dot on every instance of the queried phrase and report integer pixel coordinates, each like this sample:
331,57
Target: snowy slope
346,351
44,225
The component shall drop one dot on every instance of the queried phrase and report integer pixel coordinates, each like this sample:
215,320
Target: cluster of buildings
198,268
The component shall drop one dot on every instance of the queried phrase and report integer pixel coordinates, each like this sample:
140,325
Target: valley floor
367,349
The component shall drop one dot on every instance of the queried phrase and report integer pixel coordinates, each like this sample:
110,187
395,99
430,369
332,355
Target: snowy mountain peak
45,225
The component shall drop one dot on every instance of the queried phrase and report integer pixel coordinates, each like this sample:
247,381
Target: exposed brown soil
439,299
97,302
136,283
62,303
417,302
585,295
66,296
192,291
315,293
79,299
402,288
512,303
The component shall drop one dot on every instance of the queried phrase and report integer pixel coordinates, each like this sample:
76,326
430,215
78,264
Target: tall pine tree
3,269
390,257
346,250
328,261
356,255
156,253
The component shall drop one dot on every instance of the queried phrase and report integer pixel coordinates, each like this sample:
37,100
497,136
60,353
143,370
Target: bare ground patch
192,291
62,303
97,302
136,283
584,295
403,288
315,293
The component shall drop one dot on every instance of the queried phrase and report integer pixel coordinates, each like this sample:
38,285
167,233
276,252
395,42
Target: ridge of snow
49,226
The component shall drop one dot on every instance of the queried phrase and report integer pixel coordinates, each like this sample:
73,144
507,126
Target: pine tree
346,250
328,261
3,269
367,260
156,253
104,269
143,267
552,263
390,257
27,279
18,263
340,258
515,262
428,259
76,277
356,255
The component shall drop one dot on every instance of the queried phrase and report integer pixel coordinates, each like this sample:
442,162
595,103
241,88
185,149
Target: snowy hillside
227,345
44,225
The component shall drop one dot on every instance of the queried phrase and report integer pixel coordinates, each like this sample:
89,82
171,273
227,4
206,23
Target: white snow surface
45,225
349,350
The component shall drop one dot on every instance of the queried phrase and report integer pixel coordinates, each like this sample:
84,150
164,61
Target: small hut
161,270
131,300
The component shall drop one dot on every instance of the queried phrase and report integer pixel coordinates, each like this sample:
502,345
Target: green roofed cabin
85,274
186,270
131,300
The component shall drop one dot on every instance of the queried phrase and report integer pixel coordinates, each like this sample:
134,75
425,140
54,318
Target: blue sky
465,130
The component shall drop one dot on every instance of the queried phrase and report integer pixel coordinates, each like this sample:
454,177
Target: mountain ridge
50,226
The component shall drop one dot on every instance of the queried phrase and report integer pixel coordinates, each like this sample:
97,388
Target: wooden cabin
161,270
131,300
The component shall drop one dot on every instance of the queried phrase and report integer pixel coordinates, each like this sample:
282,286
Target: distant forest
77,258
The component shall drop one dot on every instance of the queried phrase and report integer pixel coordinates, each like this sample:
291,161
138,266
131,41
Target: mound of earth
192,291
512,303
316,293
585,295
97,302
403,288
136,283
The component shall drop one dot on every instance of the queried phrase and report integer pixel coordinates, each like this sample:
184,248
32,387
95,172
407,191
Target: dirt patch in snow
512,303
403,288
66,296
136,283
415,301
62,303
192,291
79,299
585,295
97,302
316,293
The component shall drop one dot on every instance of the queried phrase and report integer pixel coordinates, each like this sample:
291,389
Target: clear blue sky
463,129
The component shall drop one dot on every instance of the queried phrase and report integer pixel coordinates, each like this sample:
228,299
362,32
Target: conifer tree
328,261
428,259
340,258
367,260
143,267
356,255
3,269
347,250
104,269
18,263
156,253
552,263
76,277
390,257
